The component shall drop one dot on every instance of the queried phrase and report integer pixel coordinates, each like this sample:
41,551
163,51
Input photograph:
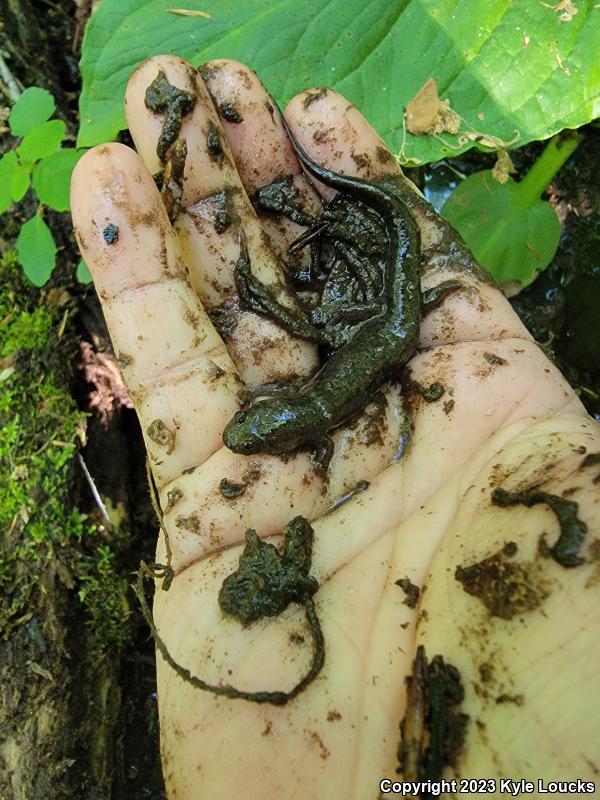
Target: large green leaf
513,240
505,65
83,273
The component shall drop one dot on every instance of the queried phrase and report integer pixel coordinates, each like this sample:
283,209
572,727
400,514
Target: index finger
180,375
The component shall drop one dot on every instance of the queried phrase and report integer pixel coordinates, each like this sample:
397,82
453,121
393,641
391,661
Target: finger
214,206
182,380
336,134
244,106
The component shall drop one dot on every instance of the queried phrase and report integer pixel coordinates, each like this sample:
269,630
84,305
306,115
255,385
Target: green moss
40,524
103,594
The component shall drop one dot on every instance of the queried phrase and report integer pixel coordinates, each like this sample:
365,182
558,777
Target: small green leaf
42,141
83,273
511,231
8,164
19,181
32,109
52,178
36,250
513,241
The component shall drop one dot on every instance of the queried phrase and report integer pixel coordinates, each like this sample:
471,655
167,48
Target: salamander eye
247,446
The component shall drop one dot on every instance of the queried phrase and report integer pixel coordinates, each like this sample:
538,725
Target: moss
40,524
102,593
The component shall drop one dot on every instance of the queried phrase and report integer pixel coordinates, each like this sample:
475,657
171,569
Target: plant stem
557,151
12,84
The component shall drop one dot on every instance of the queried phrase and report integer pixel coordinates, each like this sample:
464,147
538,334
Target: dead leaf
189,12
487,140
568,8
57,297
426,113
8,318
81,431
41,671
503,166
107,390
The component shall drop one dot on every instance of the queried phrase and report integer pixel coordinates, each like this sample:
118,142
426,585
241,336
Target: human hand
507,420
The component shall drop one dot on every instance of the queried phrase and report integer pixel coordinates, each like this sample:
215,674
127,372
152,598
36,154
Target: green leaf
42,141
83,273
513,243
8,164
510,230
32,109
52,178
36,250
19,181
505,65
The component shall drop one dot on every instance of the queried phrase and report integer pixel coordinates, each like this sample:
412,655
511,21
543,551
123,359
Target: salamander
300,415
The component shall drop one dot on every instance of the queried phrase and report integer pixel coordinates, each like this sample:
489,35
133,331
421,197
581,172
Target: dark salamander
301,415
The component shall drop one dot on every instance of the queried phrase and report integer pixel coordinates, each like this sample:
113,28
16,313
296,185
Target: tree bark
77,708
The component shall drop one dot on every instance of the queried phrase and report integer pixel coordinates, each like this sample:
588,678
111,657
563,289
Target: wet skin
302,418
355,232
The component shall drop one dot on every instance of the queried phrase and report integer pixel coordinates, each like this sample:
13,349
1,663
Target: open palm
512,626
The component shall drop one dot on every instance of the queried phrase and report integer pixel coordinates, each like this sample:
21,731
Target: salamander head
269,426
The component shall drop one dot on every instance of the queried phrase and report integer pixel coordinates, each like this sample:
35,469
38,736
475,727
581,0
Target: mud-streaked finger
264,159
214,206
182,380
